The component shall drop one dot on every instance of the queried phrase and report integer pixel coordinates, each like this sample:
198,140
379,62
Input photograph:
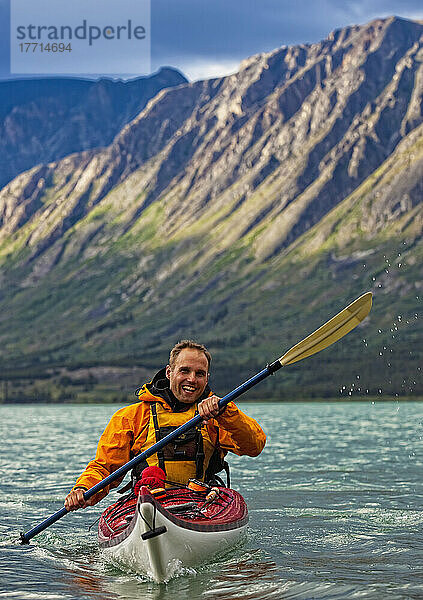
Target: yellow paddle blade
330,332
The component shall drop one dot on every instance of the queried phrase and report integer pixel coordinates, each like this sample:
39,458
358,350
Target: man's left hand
209,408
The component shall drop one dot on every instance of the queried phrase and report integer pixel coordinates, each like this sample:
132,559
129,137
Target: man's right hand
75,499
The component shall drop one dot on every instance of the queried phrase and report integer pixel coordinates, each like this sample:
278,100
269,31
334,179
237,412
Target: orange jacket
126,434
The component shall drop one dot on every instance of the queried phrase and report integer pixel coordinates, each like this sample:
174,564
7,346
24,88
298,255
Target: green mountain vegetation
242,212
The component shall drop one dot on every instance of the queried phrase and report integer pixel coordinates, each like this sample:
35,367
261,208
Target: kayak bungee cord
333,330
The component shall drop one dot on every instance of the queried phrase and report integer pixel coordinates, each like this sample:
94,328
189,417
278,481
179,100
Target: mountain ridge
45,119
218,206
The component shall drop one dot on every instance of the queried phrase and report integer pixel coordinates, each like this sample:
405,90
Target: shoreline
371,399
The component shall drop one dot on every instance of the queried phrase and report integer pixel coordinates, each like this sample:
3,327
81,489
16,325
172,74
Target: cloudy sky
205,39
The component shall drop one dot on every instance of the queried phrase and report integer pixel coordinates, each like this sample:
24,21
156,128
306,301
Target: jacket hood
159,387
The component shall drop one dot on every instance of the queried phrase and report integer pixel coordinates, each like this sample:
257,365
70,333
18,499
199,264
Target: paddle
327,334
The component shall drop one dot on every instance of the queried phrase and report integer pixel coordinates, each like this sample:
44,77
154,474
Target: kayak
159,532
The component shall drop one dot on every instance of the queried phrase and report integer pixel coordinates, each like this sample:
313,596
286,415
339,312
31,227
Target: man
175,395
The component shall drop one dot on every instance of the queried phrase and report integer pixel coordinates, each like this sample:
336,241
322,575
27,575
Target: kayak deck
184,507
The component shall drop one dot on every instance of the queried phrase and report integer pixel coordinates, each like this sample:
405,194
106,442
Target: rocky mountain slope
243,211
42,120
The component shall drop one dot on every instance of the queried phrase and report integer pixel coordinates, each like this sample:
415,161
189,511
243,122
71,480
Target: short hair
177,349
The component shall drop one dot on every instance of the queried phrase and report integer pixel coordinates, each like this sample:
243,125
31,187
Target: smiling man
188,372
175,395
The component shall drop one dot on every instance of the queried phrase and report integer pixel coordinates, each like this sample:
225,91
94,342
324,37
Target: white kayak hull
170,545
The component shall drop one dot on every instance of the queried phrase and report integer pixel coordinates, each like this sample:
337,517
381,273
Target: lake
335,503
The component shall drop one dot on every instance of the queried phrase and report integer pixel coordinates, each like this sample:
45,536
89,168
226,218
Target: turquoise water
335,503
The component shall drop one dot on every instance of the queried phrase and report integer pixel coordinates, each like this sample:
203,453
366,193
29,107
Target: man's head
188,370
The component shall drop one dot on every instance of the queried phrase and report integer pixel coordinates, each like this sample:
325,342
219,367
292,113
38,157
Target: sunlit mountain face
242,211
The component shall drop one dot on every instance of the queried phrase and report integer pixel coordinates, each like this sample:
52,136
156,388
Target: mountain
242,211
43,120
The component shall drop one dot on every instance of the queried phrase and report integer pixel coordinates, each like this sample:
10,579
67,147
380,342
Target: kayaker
175,395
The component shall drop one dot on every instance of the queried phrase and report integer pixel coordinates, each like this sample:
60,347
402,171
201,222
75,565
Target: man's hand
209,408
75,499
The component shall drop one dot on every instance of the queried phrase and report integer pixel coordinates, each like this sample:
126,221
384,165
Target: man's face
189,375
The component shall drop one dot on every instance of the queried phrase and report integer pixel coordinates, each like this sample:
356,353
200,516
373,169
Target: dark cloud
199,36
4,38
193,30
235,27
